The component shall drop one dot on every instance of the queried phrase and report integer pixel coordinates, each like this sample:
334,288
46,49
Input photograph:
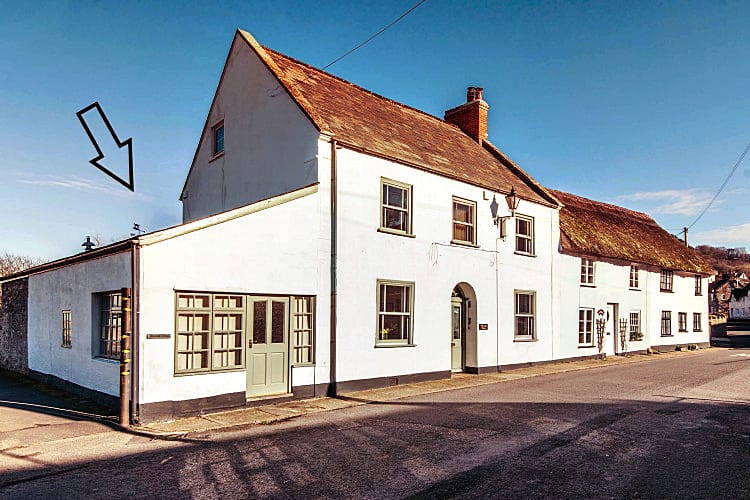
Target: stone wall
14,300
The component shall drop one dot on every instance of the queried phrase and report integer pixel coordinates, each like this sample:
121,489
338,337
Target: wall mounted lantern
512,201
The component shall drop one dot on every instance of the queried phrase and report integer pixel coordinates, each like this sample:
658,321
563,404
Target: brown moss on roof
362,119
595,228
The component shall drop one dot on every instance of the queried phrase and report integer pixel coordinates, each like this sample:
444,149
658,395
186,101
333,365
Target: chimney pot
474,94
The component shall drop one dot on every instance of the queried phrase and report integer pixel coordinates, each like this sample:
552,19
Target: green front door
457,334
268,346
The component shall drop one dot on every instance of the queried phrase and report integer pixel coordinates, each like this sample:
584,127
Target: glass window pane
259,322
278,315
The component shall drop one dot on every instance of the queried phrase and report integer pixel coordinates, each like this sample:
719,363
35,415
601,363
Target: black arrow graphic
130,183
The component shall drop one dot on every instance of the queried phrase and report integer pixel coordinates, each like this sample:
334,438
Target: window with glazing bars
666,323
586,327
524,234
525,315
66,329
665,281
698,285
635,326
587,271
682,322
303,330
697,322
464,221
395,201
395,302
633,276
209,332
111,325
218,138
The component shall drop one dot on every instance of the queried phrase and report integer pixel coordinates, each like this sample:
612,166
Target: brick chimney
471,117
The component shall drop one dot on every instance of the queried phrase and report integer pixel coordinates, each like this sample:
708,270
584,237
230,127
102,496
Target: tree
12,263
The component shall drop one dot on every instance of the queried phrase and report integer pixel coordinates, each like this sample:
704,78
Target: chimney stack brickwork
471,117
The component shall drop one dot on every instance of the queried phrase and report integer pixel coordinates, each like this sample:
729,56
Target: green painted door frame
268,346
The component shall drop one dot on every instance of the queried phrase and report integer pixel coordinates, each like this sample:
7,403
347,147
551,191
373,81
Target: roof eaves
117,247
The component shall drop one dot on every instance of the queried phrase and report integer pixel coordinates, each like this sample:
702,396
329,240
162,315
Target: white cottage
333,240
739,304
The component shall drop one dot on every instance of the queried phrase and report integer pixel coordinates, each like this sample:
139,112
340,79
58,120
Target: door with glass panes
268,346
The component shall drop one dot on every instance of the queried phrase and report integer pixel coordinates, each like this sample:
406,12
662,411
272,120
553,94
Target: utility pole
685,230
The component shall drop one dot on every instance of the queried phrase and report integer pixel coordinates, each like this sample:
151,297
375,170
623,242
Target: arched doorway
463,328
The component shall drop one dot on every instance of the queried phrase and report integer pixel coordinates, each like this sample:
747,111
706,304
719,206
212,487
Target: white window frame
530,317
471,225
634,326
587,271
697,326
526,240
67,329
698,285
303,331
682,322
384,206
109,333
634,278
586,327
407,317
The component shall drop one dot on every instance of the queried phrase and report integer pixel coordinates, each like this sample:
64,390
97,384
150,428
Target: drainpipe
125,358
497,303
134,338
332,355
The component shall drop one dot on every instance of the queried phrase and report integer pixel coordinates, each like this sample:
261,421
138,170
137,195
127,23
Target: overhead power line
723,185
362,44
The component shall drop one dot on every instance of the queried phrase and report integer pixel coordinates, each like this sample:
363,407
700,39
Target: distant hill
726,260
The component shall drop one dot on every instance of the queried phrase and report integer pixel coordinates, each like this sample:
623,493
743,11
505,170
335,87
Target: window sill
586,346
216,156
521,339
667,335
635,289
464,244
695,331
66,346
525,254
388,346
588,285
208,372
666,291
681,331
395,233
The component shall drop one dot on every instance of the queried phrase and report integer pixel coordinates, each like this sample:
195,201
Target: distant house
335,240
720,291
739,303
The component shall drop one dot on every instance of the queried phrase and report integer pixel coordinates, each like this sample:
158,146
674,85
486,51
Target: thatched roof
591,227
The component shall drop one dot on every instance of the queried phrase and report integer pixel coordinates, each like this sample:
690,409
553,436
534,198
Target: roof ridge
605,204
358,87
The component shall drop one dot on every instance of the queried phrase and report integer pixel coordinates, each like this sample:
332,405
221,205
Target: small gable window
218,137
587,271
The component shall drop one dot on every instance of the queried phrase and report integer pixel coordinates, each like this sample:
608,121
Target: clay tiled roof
594,228
360,119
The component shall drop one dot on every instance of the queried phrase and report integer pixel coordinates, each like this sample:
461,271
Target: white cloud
76,183
723,236
673,201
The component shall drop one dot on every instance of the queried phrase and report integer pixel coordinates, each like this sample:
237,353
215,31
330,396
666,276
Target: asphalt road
668,428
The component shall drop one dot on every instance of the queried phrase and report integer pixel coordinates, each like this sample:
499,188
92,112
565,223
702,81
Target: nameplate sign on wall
158,335
484,326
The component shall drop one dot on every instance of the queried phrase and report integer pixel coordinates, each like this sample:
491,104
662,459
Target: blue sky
643,104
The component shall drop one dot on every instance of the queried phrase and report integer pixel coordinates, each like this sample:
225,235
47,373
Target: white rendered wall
436,267
269,143
280,250
72,288
611,286
682,299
